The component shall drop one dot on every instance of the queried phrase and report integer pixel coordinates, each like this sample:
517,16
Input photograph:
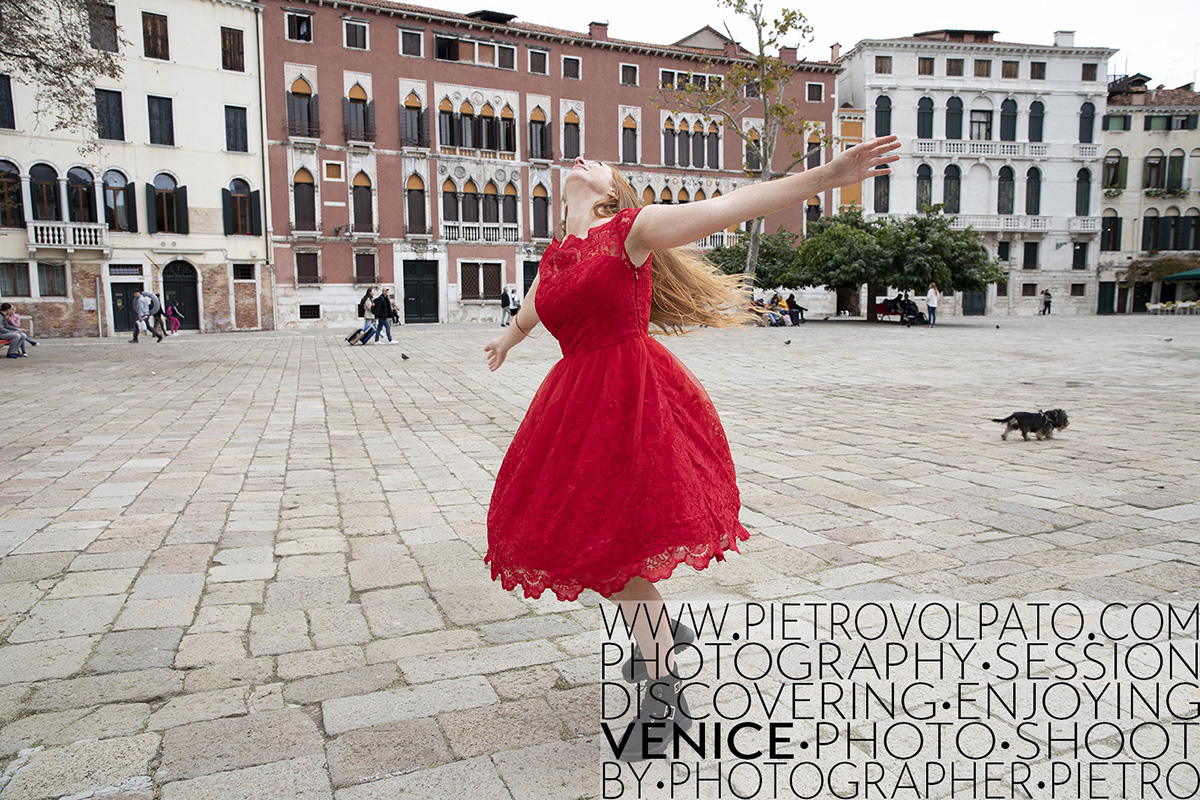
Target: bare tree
756,83
61,47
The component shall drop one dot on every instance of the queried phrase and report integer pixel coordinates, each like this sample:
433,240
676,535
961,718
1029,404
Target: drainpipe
268,254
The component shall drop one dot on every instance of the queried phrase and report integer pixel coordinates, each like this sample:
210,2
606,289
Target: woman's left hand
861,161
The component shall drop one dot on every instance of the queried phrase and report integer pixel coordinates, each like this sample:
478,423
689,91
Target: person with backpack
505,309
382,309
366,310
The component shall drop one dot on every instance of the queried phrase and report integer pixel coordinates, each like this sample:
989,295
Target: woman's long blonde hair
688,289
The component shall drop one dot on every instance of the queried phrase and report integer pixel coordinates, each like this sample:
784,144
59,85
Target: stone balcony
1000,222
69,236
980,149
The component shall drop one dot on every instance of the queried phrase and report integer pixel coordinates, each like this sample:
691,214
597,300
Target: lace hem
534,581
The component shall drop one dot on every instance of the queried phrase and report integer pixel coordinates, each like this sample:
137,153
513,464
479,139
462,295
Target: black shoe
661,703
133,341
634,669
32,342
14,355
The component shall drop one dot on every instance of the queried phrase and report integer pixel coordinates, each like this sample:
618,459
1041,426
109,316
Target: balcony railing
1084,225
417,230
359,133
68,235
973,147
1087,152
720,239
307,130
1000,222
540,234
414,141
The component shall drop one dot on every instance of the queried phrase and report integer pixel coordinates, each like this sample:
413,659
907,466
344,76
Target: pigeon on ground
404,356
789,341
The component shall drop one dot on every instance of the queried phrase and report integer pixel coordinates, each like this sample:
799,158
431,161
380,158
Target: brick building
171,200
423,149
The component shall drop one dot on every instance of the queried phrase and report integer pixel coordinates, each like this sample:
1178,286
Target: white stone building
1006,135
174,197
1151,182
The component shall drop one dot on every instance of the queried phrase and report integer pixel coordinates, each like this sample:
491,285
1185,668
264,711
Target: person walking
514,302
366,310
155,322
620,470
1046,302
931,303
142,313
382,309
505,309
173,318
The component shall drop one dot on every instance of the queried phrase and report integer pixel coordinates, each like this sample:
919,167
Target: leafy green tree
62,47
778,261
755,85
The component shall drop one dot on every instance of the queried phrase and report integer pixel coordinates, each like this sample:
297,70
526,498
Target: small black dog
1043,423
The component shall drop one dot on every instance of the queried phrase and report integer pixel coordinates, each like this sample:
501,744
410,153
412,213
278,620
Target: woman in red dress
620,470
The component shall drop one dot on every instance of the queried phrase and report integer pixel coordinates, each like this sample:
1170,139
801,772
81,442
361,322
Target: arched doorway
180,286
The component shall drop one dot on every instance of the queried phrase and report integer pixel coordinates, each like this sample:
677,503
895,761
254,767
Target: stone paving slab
259,571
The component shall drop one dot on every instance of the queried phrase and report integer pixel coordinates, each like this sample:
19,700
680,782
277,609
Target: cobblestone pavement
250,565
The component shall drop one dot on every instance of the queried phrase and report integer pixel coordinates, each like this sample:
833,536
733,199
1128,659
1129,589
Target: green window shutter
1175,172
1192,121
1128,121
1122,171
151,210
181,208
256,214
1146,122
227,210
131,205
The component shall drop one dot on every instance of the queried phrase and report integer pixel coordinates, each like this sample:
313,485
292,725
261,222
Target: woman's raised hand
861,161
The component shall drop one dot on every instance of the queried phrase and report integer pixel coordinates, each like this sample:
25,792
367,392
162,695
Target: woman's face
596,175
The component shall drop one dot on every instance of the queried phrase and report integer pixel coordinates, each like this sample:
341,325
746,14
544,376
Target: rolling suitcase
356,337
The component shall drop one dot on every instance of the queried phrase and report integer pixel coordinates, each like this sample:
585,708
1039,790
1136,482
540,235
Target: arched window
1083,193
489,128
1168,230
665,197
753,152
540,145
700,195
1006,197
629,151
812,211
683,197
698,150
952,189
954,118
882,194
571,139
469,202
169,212
1110,231
414,124
508,205
714,146
12,207
120,206
1087,123
813,159
508,130
1033,192
239,206
43,190
1175,162
1037,113
1156,173
668,145
304,200
883,116
359,115
924,186
364,215
925,118
449,201
1008,120
647,196
81,195
491,204
447,130
1116,168
685,141
302,110
541,212
1189,231
1150,225
466,124
414,204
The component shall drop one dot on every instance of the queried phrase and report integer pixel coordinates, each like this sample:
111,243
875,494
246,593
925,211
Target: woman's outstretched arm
521,326
660,227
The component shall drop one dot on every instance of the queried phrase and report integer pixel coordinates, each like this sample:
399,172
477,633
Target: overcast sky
1162,42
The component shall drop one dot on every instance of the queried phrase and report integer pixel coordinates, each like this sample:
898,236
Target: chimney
1064,38
1137,95
835,51
598,31
787,55
731,49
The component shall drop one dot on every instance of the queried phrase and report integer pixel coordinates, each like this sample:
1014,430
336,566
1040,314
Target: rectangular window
1089,72
410,43
14,280
236,138
8,118
102,19
883,65
333,171
1037,71
753,90
924,66
666,79
1010,69
124,269
445,48
162,120
507,57
629,75
981,125
356,35
1078,290
1031,256
110,116
154,36
232,50
539,61
1001,288
299,27
815,92
954,67
1115,122
1029,290
485,54
307,269
1003,250
572,68
364,268
243,272
310,311
1079,256
983,68
52,280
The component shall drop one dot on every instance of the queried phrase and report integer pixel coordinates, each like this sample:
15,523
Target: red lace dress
620,467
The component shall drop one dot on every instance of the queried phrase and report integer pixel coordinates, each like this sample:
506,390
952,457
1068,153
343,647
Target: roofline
436,15
910,42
